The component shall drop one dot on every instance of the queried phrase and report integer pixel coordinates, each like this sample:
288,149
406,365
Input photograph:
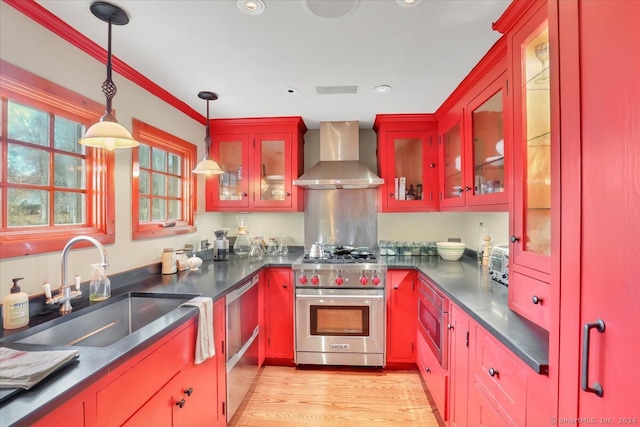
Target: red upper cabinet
261,157
407,155
474,139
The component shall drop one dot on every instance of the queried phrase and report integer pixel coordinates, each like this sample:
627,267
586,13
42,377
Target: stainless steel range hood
339,166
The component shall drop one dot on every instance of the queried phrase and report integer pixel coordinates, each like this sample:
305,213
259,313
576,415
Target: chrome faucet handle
77,284
47,289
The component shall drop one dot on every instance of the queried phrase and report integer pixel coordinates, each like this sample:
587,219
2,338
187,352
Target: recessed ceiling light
408,3
251,7
291,91
382,89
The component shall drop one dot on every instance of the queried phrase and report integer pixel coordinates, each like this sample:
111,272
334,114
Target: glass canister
392,248
382,248
433,248
256,253
424,248
415,249
407,249
242,245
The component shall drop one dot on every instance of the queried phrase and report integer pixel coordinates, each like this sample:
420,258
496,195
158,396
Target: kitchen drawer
501,376
523,290
434,376
483,413
122,397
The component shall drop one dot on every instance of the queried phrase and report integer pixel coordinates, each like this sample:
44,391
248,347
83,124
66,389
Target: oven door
332,324
433,319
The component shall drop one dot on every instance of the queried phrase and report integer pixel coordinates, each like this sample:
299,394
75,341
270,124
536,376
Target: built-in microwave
433,319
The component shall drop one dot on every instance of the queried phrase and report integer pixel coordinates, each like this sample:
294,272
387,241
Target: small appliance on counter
499,264
221,245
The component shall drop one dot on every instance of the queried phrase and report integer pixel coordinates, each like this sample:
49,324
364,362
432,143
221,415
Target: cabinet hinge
412,347
467,340
222,349
224,408
268,342
507,86
413,285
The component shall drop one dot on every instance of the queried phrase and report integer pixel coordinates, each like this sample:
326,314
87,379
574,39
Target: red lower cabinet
401,316
279,314
459,340
482,412
434,376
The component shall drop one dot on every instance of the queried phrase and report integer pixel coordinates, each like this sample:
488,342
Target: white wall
30,46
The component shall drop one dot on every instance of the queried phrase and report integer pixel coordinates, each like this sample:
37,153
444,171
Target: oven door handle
339,297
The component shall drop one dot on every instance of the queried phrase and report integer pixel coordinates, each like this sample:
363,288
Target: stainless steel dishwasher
241,343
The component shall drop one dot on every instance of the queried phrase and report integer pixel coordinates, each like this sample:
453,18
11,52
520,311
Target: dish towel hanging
24,369
205,347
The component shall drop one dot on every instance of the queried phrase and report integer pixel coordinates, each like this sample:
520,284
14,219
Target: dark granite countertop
462,281
471,288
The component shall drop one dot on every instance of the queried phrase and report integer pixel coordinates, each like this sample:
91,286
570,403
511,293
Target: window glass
27,165
27,124
27,207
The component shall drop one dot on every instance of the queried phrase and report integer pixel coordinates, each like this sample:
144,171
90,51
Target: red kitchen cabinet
73,413
474,139
459,341
401,316
407,150
434,376
279,314
599,230
261,157
483,413
219,336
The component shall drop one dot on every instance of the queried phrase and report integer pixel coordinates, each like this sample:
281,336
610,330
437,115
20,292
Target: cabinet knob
536,299
287,194
514,239
284,285
180,403
492,372
449,326
467,188
391,194
432,165
188,391
244,194
427,370
395,288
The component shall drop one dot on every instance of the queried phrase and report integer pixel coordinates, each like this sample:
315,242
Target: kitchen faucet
65,294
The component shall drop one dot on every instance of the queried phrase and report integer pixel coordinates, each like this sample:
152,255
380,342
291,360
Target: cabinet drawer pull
427,370
180,403
596,388
188,391
536,299
492,372
514,239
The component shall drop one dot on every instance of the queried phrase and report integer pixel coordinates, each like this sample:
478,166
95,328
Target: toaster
499,264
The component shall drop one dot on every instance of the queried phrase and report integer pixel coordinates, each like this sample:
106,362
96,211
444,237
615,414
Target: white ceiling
187,46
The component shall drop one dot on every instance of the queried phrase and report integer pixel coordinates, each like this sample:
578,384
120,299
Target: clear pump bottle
100,285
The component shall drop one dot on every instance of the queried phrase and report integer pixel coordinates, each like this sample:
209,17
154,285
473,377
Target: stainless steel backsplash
341,217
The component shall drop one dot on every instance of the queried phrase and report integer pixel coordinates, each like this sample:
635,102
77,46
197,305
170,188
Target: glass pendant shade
109,135
208,167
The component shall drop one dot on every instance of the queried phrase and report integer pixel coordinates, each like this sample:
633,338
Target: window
51,187
163,187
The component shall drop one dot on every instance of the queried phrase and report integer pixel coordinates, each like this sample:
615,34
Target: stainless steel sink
107,322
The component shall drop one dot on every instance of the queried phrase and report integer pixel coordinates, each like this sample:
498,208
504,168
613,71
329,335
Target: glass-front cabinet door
486,150
452,193
272,160
531,238
230,189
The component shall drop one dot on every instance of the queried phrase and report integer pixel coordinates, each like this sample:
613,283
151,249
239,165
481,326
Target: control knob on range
339,279
302,279
364,279
315,279
375,279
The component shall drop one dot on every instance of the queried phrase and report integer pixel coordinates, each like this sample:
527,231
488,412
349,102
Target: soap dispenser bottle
15,307
100,285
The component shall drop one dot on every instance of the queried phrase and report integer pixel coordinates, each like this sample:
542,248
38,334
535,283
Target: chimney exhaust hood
339,166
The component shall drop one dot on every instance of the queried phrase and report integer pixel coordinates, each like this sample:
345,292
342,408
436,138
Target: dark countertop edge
538,362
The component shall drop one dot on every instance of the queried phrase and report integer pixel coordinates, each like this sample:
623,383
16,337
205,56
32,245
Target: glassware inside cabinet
488,146
452,151
272,156
231,162
537,147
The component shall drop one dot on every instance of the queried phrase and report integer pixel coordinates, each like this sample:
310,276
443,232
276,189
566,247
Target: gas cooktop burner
341,259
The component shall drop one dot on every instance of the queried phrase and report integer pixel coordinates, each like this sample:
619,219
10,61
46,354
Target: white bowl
450,251
500,147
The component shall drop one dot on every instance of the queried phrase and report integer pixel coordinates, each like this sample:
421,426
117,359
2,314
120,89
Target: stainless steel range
340,310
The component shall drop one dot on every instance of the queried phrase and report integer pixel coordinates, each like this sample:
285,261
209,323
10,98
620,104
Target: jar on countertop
169,265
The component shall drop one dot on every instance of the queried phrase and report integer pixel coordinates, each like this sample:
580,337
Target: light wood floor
340,397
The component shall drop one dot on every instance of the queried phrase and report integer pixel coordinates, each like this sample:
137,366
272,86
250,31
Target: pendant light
107,133
207,166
